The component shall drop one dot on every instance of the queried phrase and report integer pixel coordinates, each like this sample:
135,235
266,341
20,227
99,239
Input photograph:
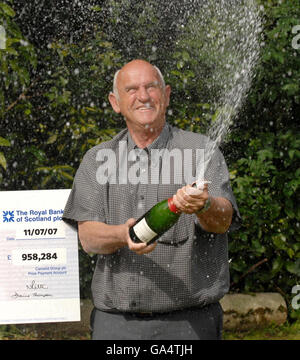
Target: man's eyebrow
156,82
130,87
133,86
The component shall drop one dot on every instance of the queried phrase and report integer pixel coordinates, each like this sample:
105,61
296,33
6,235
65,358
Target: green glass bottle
155,222
160,218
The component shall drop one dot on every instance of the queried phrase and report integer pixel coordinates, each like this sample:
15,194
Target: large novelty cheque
39,276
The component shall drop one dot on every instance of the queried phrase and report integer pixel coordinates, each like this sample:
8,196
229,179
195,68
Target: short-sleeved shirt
117,181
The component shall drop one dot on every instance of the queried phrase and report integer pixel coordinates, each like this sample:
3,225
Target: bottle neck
172,206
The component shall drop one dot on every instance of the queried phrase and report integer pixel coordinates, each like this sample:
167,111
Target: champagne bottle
156,221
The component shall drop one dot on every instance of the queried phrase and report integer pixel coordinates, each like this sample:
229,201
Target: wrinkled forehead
138,73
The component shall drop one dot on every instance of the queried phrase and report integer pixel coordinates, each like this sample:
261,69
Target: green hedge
264,152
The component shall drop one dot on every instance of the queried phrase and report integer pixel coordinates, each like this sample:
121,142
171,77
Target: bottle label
143,231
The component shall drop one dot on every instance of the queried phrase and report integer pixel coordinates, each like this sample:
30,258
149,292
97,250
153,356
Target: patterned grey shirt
117,181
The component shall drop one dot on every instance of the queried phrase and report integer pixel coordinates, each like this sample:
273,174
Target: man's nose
142,94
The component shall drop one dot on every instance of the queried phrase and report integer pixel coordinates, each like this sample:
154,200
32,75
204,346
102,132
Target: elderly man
169,289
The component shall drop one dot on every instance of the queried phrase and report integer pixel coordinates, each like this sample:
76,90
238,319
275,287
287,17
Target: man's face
142,100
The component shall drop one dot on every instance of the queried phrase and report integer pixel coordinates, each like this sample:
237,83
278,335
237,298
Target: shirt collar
159,143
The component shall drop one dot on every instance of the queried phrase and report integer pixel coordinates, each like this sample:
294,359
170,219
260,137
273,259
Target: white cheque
39,275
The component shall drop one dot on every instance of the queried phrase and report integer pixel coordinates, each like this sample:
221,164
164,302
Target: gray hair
115,88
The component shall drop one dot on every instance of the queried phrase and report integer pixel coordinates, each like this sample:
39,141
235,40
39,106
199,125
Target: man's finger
147,249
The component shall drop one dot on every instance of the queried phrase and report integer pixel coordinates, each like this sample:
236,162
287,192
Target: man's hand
140,248
216,219
189,199
99,238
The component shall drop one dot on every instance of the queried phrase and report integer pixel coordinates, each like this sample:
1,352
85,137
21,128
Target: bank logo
8,216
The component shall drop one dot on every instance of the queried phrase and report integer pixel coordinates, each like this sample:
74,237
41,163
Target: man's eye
153,87
131,91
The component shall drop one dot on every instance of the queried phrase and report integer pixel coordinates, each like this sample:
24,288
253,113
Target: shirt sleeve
217,172
86,200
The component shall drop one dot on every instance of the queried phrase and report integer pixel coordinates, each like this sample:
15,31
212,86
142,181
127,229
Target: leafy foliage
263,152
16,59
266,187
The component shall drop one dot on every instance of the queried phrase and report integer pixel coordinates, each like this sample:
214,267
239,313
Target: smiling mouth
145,107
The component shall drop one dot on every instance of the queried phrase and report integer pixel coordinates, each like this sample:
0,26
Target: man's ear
167,94
114,102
